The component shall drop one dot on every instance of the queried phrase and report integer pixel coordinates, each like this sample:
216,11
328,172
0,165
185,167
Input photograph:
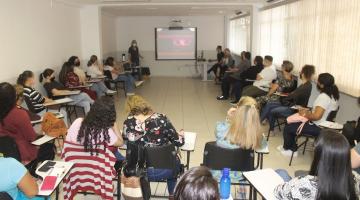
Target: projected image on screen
175,44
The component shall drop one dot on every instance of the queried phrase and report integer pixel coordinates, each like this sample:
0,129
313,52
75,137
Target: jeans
272,110
290,134
283,174
82,100
99,88
161,174
225,85
129,82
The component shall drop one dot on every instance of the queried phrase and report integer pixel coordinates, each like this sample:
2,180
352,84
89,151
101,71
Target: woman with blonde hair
145,127
242,127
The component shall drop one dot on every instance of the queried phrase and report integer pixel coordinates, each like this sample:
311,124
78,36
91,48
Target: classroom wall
108,29
210,34
35,35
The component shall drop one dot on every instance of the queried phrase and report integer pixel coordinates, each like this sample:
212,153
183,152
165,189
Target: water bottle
123,57
225,184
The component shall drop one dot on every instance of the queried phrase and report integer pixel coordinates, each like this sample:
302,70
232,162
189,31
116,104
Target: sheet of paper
42,140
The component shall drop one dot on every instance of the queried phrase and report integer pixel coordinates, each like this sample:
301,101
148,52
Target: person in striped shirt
34,99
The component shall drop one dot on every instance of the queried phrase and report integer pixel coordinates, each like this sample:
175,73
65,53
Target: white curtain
239,35
325,33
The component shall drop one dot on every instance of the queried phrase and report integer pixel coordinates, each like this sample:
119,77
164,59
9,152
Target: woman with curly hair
97,128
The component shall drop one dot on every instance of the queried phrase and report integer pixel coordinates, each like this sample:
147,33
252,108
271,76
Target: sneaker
138,83
221,98
280,148
111,92
130,94
289,153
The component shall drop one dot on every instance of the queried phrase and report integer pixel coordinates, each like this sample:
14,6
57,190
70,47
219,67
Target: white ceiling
169,7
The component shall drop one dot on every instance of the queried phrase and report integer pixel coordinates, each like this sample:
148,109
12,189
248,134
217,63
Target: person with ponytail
242,128
330,176
56,89
94,68
324,104
35,100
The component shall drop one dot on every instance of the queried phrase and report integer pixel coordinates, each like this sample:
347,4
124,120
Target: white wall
210,34
90,23
108,29
34,36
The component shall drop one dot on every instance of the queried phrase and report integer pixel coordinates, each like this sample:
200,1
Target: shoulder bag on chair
53,126
134,182
297,118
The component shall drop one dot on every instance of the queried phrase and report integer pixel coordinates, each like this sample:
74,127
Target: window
239,35
319,32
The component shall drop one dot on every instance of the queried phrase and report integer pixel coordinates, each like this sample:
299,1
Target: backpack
351,131
53,126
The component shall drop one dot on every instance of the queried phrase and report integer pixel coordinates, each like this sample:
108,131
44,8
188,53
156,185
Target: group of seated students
330,175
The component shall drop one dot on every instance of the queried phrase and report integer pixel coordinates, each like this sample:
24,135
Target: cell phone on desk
47,166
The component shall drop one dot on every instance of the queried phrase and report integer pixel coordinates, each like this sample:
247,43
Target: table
331,125
204,73
189,146
264,181
60,169
281,94
59,102
68,93
80,86
94,80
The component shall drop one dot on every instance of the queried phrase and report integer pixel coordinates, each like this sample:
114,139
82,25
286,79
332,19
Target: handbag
296,118
53,126
135,176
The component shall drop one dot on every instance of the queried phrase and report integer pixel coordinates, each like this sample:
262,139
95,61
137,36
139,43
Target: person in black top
134,54
219,56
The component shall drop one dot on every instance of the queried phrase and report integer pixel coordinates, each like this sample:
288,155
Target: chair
108,81
238,160
161,157
9,148
331,117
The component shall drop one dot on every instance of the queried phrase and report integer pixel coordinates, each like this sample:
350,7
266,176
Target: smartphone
47,166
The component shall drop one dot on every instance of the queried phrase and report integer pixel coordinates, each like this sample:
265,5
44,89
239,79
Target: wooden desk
264,181
60,169
68,93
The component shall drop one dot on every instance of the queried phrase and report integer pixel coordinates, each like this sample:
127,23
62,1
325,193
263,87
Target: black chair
331,117
109,82
217,158
9,148
162,157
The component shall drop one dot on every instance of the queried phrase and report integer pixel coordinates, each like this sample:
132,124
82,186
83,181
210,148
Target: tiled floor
191,104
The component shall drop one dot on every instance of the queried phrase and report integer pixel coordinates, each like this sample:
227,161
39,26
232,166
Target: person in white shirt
325,103
263,80
118,74
95,70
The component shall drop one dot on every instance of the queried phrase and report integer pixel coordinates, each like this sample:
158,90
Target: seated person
324,104
94,69
146,127
247,77
227,63
69,77
15,123
233,75
330,174
284,83
215,67
264,78
281,107
35,98
233,134
118,74
197,183
98,127
16,181
56,90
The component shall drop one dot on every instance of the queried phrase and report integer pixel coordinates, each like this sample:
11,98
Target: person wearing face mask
134,54
55,88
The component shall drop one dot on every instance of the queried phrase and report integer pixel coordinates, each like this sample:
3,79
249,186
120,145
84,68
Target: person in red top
15,123
69,79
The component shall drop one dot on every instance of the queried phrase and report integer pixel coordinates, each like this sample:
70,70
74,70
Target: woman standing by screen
134,54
